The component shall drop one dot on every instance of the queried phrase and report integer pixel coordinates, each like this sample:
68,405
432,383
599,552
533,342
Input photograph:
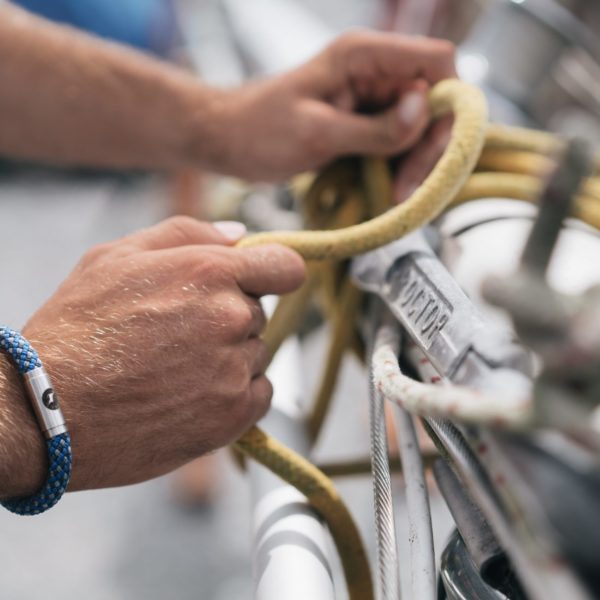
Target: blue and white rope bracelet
50,419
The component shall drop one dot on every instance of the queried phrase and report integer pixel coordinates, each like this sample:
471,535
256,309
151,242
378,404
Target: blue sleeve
144,24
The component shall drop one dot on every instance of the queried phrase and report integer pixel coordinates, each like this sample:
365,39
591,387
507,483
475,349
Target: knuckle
208,267
236,379
260,318
445,53
261,356
240,406
261,399
239,317
254,404
267,391
350,54
240,390
181,227
97,253
445,47
349,40
243,399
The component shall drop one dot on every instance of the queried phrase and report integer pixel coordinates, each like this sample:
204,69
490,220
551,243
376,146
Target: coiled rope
429,200
349,204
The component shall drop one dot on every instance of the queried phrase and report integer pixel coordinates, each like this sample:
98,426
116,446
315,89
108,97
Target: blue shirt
145,24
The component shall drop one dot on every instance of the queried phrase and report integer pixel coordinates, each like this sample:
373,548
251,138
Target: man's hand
417,164
365,94
101,104
153,347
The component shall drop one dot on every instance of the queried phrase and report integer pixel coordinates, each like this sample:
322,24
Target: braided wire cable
58,447
420,537
388,580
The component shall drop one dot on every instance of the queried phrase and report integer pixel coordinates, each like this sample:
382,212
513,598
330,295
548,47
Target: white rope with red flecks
435,400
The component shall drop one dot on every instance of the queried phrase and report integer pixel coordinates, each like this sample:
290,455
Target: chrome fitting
45,402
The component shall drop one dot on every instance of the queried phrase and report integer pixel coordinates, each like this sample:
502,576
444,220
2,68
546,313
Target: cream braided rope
448,401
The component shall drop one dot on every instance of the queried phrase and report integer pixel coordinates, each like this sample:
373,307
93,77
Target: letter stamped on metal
423,309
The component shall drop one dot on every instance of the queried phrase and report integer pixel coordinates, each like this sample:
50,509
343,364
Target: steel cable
388,581
420,537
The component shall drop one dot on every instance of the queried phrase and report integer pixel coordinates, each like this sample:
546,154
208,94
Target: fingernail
232,230
411,107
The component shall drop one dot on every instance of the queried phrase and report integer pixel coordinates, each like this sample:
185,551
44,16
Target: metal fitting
45,402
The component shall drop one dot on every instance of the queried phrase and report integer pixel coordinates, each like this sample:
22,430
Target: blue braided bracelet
50,419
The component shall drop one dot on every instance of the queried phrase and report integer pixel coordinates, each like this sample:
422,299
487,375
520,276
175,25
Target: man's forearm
67,98
22,452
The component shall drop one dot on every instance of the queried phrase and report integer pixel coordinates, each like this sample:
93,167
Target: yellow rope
362,466
528,188
428,201
514,161
319,489
527,154
519,138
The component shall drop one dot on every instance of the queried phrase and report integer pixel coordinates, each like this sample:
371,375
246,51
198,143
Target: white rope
452,402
